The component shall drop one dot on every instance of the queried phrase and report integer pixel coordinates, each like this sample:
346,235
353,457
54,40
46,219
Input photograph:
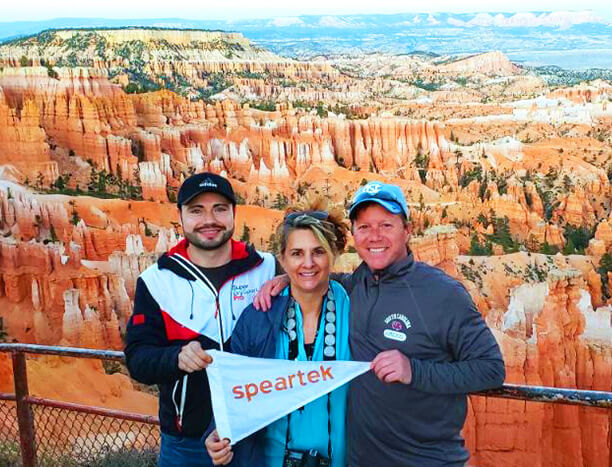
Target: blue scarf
309,426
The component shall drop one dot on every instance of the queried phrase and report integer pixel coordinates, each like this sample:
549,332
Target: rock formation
98,129
489,63
551,336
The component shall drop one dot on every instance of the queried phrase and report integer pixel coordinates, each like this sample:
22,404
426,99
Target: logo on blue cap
372,188
388,196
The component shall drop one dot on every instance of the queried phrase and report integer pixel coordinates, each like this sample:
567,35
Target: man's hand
392,366
219,450
193,358
271,288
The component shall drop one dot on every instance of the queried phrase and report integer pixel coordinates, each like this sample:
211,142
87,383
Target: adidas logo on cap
208,183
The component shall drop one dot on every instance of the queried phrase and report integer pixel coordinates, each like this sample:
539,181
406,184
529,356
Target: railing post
610,437
25,419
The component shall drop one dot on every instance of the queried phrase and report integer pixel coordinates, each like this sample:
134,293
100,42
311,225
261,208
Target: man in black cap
186,303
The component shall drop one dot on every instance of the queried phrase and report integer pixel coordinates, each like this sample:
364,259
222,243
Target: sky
36,10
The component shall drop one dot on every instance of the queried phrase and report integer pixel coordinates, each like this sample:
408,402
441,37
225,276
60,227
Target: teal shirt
309,427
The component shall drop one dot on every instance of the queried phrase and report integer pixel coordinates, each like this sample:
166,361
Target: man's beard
193,239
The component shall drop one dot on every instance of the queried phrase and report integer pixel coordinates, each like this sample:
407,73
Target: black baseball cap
205,182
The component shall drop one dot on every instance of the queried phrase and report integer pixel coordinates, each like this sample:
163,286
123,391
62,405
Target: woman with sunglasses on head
307,321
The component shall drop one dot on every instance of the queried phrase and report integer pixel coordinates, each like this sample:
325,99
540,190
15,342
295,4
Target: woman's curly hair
331,231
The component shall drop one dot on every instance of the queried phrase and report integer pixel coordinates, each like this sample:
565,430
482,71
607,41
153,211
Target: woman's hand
271,288
219,450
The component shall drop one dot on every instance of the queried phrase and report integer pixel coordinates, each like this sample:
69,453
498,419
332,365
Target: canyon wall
507,181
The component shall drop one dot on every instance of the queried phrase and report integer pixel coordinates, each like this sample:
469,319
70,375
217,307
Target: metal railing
51,432
46,432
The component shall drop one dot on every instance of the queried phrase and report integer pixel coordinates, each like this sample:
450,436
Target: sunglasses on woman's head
319,215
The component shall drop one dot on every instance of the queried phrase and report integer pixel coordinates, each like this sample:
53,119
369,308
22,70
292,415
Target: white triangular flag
250,393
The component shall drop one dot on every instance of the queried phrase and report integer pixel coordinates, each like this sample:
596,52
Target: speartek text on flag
268,389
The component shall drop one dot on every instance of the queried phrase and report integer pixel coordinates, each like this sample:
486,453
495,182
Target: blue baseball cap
388,196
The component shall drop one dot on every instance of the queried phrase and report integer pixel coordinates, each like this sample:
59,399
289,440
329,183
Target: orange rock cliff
508,186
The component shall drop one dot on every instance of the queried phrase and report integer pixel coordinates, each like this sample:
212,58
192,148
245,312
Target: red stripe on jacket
175,330
138,319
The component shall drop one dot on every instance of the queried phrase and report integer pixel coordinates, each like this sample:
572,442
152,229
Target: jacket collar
239,249
277,311
399,268
244,257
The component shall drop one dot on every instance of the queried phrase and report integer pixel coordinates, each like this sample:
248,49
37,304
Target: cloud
285,21
560,19
334,22
455,22
432,21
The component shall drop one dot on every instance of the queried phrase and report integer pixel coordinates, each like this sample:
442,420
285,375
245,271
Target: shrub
501,235
267,106
478,249
548,249
53,234
111,367
127,458
321,112
3,336
75,219
147,230
246,234
51,72
577,239
419,83
467,177
422,162
240,199
280,202
10,453
605,266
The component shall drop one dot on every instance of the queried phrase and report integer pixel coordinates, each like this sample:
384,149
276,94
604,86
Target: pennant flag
250,393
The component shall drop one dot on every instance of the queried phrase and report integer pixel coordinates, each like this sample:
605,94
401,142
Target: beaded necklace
329,351
329,341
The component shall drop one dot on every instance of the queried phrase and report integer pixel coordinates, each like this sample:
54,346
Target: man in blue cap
428,344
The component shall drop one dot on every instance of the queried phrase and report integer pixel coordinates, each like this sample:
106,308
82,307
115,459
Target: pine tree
548,249
246,234
476,249
53,235
273,244
502,236
101,182
3,333
75,216
605,266
40,180
569,248
92,186
59,183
